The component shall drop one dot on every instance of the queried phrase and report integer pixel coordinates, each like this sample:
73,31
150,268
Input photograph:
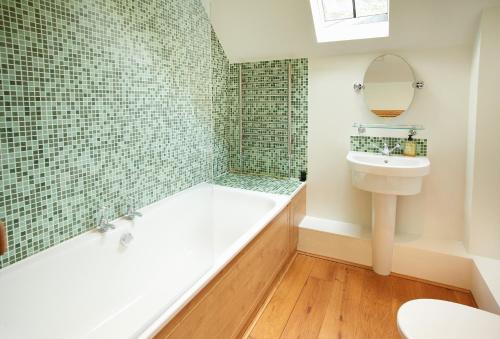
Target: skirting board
443,262
486,283
420,263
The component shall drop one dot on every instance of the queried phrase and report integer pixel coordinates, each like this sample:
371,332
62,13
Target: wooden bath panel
297,213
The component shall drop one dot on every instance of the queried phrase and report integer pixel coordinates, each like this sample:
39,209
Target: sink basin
386,177
383,174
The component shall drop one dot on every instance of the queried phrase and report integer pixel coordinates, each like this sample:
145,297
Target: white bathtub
93,287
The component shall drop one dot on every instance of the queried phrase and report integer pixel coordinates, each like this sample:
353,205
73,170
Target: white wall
442,107
482,203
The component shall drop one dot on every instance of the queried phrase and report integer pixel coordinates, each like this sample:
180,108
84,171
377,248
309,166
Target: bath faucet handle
103,224
131,212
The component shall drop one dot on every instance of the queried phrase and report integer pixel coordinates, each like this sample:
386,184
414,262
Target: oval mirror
388,85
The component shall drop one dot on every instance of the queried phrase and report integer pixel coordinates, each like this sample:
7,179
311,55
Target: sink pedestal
386,177
383,226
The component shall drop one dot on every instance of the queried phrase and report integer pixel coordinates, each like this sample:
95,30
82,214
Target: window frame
354,12
345,29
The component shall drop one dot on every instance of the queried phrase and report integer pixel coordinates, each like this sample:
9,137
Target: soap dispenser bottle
410,145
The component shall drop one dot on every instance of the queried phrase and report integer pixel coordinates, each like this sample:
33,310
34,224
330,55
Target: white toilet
438,319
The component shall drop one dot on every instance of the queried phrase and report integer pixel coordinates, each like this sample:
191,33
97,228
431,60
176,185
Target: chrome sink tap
131,213
386,150
103,224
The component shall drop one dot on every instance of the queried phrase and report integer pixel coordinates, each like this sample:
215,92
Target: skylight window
337,20
338,9
370,7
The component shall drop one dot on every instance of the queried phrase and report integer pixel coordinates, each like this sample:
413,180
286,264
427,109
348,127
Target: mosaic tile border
362,143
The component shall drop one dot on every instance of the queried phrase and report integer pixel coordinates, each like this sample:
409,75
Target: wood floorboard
403,290
309,311
275,316
436,292
375,311
345,299
319,298
464,298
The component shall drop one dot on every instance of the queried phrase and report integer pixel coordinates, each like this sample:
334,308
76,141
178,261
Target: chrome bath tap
103,224
131,213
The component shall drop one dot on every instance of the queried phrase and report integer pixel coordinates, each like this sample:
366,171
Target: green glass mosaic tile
258,183
264,120
102,102
362,143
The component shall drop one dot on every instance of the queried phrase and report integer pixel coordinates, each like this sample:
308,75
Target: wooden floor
319,298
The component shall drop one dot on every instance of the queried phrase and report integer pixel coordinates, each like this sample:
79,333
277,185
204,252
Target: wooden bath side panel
223,309
297,213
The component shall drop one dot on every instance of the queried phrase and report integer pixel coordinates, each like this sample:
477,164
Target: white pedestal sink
386,177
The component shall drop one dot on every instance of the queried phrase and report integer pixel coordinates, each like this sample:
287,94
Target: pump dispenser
410,145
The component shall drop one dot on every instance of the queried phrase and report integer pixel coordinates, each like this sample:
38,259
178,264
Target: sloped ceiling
253,30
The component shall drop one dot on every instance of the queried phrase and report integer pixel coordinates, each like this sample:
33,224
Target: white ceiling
253,30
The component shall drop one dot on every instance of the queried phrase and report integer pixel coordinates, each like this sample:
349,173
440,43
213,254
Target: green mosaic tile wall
362,143
264,124
102,102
